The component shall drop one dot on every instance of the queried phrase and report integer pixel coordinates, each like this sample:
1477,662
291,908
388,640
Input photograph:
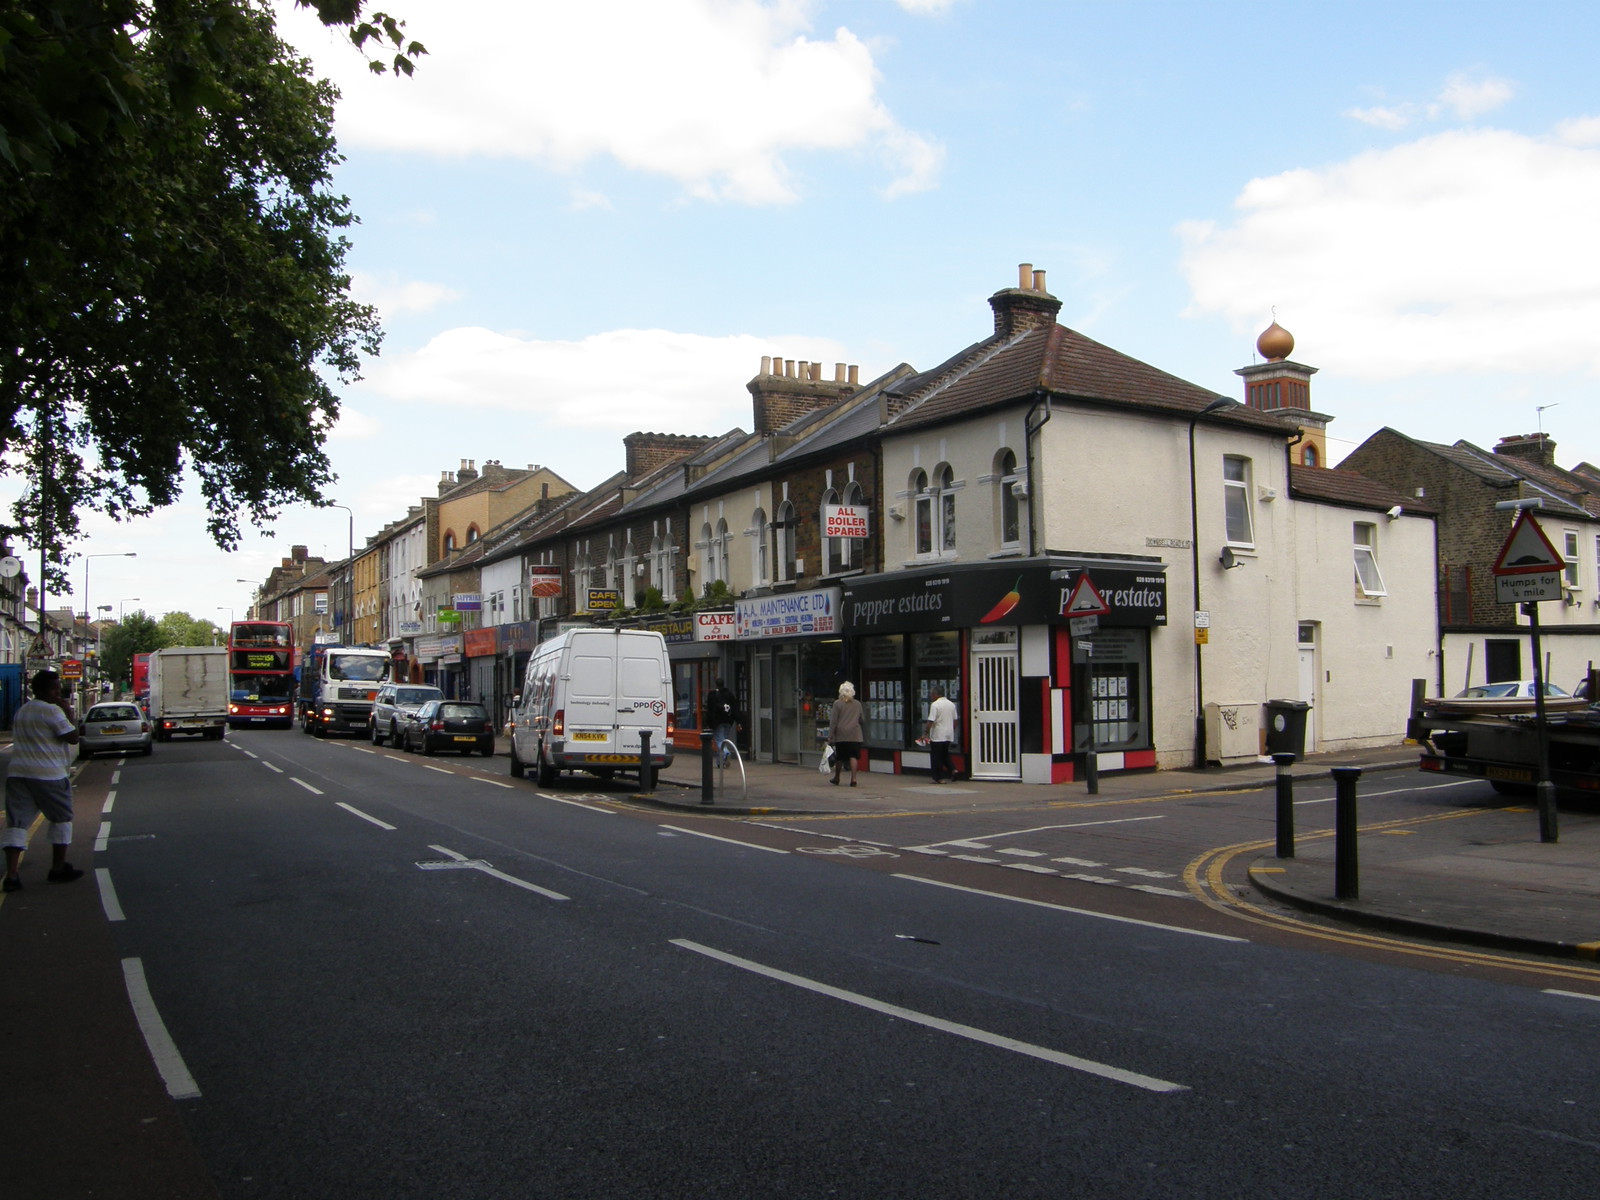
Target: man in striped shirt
43,735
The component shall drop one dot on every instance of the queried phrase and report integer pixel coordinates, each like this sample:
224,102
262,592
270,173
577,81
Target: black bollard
647,775
1346,865
1285,805
707,752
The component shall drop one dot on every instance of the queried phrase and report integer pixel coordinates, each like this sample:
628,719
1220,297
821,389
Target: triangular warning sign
1085,600
1527,550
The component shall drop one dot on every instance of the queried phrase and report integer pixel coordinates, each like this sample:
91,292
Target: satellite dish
10,567
1229,559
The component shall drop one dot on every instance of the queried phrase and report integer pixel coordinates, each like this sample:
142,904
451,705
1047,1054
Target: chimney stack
1529,447
1026,306
783,396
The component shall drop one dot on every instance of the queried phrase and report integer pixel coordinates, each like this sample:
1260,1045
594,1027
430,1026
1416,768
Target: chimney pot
838,372
1038,281
855,375
766,364
1024,275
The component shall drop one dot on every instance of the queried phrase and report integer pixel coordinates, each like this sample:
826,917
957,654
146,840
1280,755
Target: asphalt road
385,976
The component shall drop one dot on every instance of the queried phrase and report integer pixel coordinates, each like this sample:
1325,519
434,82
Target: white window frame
832,550
1008,508
1569,547
723,544
1236,501
1369,579
783,536
758,548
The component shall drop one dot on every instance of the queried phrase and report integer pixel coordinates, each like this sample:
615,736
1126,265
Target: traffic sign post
1527,571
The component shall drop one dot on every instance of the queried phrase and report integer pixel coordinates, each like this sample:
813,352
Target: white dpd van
587,696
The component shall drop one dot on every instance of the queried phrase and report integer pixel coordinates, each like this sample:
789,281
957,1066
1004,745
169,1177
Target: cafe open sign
844,521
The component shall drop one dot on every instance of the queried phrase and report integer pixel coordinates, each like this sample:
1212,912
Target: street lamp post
121,610
1216,405
229,611
114,554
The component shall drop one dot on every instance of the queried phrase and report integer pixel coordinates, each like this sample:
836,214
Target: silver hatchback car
114,725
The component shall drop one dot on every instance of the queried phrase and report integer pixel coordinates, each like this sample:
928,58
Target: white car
1520,689
114,725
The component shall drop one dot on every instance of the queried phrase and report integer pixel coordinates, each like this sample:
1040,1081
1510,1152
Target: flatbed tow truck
1499,742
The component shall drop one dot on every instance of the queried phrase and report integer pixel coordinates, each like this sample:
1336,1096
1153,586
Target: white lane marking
1035,868
270,767
731,841
978,858
116,776
983,842
1078,862
999,1041
111,798
1079,912
1088,878
314,791
1396,791
108,894
364,816
485,779
477,864
441,770
364,749
1144,872
1159,891
1571,995
610,812
1018,853
180,1084
251,753
102,837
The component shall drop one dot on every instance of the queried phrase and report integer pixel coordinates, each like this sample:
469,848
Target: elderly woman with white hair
845,732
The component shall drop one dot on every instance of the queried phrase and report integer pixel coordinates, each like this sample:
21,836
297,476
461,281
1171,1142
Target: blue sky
582,220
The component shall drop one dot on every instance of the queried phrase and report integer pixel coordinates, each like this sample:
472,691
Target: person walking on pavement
722,710
940,730
845,733
43,732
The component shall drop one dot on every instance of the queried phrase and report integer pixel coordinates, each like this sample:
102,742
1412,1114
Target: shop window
882,690
1236,507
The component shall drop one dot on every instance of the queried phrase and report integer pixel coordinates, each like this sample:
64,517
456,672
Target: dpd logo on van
657,707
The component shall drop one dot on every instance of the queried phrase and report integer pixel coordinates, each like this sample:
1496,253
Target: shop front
694,671
1032,676
791,653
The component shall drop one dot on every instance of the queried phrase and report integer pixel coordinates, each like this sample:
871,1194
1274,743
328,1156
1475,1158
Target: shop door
1308,680
761,695
786,707
995,751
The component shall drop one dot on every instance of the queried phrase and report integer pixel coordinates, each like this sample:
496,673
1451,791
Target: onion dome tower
1282,387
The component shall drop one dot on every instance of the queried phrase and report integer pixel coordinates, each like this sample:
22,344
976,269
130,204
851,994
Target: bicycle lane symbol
851,850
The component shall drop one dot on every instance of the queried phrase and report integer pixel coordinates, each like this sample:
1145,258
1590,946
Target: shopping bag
826,765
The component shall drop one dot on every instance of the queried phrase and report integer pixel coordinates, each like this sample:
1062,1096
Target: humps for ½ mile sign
1528,568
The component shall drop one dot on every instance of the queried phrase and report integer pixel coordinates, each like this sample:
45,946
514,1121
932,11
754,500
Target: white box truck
588,697
189,691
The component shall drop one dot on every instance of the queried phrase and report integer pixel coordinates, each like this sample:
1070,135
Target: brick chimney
468,471
1026,306
297,554
647,452
1530,447
786,390
447,480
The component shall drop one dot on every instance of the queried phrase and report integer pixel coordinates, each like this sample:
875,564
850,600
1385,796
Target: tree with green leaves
180,629
172,282
135,634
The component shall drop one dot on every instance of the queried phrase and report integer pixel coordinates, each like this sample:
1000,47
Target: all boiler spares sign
794,614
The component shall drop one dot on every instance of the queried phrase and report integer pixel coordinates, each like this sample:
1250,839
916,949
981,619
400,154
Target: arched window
784,528
630,575
832,547
472,534
724,543
935,505
758,549
922,513
708,556
661,552
1308,455
947,509
1007,505
852,551
449,541
613,571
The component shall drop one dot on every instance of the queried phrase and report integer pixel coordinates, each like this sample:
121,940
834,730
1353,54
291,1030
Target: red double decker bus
261,683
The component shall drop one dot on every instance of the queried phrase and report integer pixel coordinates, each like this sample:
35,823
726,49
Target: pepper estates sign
791,614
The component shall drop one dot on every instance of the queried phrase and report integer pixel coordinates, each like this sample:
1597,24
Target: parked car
393,703
449,725
114,725
1520,689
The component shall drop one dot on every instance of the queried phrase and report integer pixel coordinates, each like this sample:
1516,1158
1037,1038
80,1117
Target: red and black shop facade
1040,656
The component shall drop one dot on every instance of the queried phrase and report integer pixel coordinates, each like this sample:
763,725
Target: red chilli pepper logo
1007,602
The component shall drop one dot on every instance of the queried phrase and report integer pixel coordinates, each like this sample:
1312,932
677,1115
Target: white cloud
390,294
927,8
1463,97
1579,131
613,382
1466,251
716,94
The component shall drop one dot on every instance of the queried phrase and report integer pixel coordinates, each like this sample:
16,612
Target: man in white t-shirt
941,734
43,734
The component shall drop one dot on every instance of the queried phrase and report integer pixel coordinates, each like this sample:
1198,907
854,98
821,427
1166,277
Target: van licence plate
465,737
588,735
1509,774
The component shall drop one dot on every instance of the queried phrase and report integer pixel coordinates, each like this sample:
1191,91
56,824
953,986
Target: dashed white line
180,1084
1080,912
441,770
731,841
364,816
102,837
313,790
1103,1070
480,865
108,894
977,858
485,779
1570,995
1020,853
1078,862
1144,873
271,767
111,798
